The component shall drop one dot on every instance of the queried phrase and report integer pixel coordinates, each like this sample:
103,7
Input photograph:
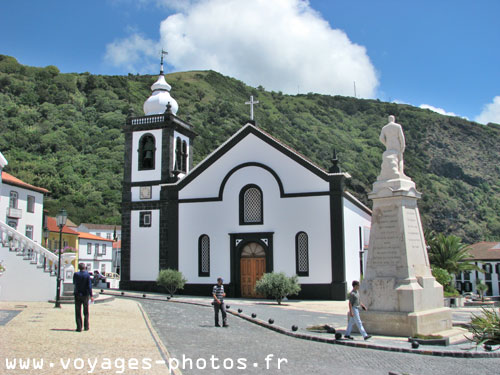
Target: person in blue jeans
83,292
354,305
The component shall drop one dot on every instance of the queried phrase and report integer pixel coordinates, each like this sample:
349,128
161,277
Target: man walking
354,304
218,293
83,291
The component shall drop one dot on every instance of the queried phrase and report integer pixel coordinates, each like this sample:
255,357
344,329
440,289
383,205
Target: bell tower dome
160,98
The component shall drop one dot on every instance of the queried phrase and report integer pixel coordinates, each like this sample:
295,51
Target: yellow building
69,239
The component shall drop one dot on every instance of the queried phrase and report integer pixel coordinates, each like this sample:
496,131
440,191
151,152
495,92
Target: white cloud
490,112
283,45
132,52
438,110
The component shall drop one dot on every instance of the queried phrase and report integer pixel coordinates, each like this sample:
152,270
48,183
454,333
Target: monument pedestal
402,296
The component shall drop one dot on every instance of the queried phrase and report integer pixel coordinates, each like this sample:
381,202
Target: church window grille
302,254
251,205
145,219
204,256
147,152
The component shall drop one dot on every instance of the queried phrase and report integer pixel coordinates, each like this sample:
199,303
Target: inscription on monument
387,242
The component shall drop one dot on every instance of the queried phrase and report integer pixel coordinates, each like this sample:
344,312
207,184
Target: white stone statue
392,159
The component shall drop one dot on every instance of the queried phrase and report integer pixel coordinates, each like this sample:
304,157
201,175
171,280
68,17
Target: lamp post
46,235
61,217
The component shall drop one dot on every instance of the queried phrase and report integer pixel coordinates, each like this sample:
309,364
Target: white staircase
30,268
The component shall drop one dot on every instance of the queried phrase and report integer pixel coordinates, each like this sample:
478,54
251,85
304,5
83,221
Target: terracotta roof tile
485,251
90,236
11,180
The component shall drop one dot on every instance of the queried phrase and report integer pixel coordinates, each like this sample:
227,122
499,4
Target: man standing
354,304
83,291
218,293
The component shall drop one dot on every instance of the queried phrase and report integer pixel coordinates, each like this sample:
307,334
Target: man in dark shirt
218,293
83,291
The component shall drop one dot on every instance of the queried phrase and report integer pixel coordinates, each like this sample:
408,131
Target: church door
252,267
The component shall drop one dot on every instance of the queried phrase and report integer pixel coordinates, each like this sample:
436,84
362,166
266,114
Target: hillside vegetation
63,132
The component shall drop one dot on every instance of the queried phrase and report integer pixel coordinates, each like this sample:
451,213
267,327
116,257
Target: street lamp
61,218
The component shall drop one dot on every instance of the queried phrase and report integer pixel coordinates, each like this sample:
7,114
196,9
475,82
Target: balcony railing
14,213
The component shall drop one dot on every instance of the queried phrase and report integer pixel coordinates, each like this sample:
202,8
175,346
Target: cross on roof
252,102
163,53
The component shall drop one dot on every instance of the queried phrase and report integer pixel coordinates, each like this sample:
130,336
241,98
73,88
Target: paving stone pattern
189,330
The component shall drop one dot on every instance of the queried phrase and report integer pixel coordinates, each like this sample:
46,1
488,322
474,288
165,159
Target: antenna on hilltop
354,88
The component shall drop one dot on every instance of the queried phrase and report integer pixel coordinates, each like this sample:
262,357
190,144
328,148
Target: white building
107,231
95,252
252,206
485,255
21,206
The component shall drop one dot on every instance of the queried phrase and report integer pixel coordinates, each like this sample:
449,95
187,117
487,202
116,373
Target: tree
171,280
450,254
444,278
277,285
481,289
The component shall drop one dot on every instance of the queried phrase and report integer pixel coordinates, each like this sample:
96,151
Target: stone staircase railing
32,251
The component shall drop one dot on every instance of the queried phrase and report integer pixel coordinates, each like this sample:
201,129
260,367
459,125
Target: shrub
277,285
171,280
485,328
444,278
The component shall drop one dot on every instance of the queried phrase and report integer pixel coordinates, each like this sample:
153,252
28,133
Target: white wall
294,177
283,216
354,218
144,247
155,193
148,175
96,262
24,281
28,218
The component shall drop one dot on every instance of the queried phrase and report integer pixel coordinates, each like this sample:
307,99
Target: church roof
485,251
11,180
273,142
266,137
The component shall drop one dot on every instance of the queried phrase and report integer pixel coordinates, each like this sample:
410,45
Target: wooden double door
252,267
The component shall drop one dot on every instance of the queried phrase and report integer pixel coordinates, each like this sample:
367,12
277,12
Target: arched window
204,256
147,152
251,205
178,154
302,254
184,154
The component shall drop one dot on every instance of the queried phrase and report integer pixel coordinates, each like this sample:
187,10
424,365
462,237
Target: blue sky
444,54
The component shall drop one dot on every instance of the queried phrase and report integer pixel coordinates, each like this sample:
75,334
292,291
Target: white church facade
252,206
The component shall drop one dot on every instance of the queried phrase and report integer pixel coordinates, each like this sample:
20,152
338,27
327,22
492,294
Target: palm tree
481,288
449,253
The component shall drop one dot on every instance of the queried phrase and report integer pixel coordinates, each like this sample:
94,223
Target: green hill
63,132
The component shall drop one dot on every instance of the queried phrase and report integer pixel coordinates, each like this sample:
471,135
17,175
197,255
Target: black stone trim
125,250
250,129
301,273
242,205
252,164
146,183
339,287
144,205
235,255
169,229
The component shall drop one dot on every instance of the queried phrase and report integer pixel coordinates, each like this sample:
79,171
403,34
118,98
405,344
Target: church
253,206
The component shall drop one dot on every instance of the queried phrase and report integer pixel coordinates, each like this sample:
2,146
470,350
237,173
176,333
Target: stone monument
398,288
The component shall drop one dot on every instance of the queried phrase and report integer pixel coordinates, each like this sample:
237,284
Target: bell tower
158,153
